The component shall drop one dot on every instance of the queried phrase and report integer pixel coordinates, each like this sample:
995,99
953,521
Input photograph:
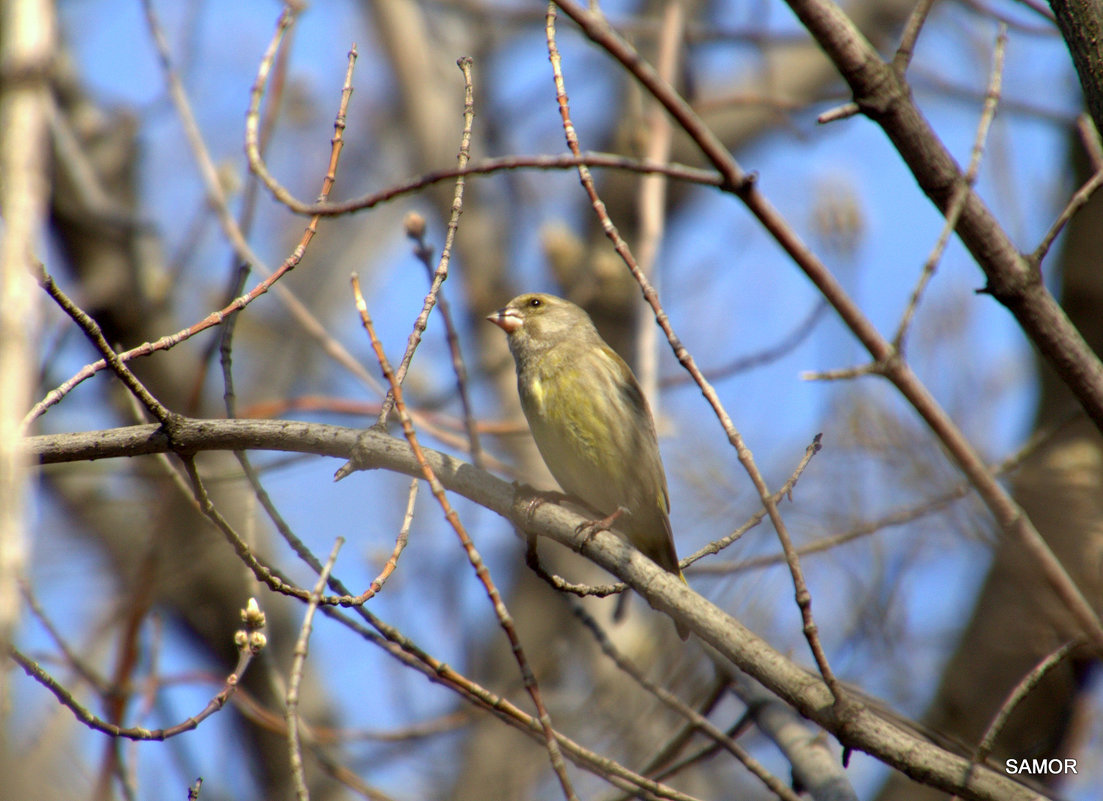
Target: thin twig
264,574
90,719
441,273
785,491
906,49
403,537
95,335
1076,202
252,117
299,653
490,166
505,620
842,112
961,191
84,670
843,373
532,561
1089,136
1018,693
415,230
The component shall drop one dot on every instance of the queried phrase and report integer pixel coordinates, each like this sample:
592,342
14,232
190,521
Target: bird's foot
538,498
588,530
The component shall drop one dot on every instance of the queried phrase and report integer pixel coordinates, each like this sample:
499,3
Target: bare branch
862,729
1012,280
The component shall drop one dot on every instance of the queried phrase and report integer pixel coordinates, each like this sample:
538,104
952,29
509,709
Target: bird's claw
538,498
592,527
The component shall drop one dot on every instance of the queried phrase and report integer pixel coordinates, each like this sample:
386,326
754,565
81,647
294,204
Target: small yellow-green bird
590,420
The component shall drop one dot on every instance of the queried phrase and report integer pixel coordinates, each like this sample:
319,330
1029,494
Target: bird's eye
535,303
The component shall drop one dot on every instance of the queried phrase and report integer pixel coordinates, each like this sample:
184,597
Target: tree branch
1081,24
883,96
862,729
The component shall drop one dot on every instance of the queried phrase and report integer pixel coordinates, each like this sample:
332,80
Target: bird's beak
506,319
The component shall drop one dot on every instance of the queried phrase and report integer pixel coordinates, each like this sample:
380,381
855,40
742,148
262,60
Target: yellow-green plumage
589,419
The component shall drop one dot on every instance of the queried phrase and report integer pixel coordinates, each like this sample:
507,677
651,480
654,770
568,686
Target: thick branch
1081,24
885,98
863,729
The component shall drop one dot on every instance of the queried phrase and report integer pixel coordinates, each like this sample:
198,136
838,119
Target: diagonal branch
883,96
862,728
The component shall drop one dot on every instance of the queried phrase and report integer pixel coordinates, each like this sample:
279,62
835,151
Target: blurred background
918,600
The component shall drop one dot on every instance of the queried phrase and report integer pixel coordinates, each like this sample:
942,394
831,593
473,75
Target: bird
590,421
